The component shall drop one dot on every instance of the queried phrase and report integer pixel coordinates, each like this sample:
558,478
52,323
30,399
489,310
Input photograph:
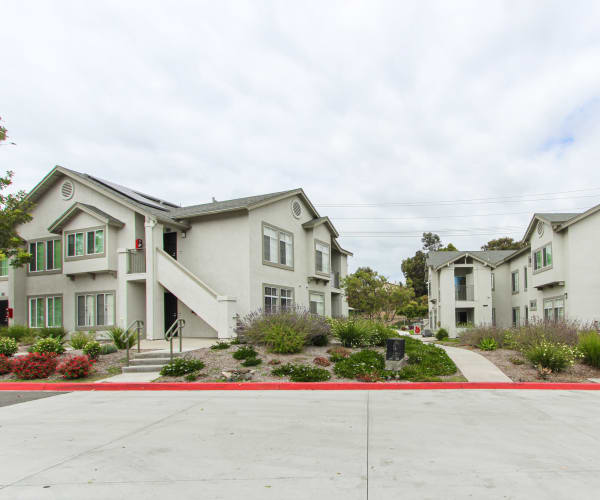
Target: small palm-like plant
488,344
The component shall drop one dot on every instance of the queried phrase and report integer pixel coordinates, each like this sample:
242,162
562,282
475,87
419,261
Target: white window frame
288,249
312,293
543,250
90,303
87,240
327,246
278,294
514,281
67,246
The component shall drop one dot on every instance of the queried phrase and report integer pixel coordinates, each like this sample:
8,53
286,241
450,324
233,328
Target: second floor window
278,247
88,243
322,257
515,281
542,258
45,255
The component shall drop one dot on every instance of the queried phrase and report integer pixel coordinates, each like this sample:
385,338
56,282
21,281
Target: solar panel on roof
125,191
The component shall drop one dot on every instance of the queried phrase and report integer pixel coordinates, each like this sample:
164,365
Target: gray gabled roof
77,207
321,220
556,217
492,257
228,205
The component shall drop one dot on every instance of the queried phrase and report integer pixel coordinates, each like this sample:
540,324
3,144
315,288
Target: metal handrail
138,324
176,327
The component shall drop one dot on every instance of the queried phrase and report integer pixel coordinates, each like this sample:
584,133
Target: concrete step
150,361
142,368
156,354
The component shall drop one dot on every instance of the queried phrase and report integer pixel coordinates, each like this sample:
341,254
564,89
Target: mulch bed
525,372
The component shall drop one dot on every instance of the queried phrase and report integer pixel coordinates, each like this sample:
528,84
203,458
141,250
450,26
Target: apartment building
105,255
554,277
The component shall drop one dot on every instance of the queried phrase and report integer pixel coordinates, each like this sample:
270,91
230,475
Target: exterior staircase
151,361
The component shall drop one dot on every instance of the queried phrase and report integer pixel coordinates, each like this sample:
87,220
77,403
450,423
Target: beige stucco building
105,255
554,277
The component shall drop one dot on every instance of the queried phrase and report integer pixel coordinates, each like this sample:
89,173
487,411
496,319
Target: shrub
108,349
17,332
181,366
48,345
488,344
75,367
474,336
219,346
254,326
8,346
372,376
274,362
589,346
340,351
516,361
302,373
555,357
426,363
351,332
538,331
245,352
441,334
252,362
321,361
5,364
359,363
191,377
58,333
283,339
34,365
80,339
92,349
122,339
379,333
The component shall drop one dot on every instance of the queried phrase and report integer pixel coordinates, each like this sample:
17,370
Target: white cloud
357,102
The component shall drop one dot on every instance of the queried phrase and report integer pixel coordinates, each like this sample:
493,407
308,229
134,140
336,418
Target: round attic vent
296,209
66,190
540,228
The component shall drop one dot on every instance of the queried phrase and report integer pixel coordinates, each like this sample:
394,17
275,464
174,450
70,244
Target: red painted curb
291,386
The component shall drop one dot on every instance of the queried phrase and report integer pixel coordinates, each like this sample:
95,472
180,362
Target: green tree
415,270
505,243
14,210
372,294
431,242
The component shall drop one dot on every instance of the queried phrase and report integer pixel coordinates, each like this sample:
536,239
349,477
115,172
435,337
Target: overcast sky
359,103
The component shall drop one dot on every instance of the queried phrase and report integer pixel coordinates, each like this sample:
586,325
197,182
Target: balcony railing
463,292
335,279
136,261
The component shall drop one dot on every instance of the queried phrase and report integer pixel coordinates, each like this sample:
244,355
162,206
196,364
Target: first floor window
54,311
3,266
276,298
96,309
317,303
36,312
554,309
516,316
533,305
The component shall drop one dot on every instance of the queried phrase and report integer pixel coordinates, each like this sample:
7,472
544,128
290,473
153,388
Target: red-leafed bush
321,361
34,365
75,367
5,364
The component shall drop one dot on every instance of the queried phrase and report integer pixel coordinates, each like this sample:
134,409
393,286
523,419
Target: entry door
170,244
170,309
3,312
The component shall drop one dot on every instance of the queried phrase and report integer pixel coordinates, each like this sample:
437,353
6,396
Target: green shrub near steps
181,366
8,346
58,333
17,332
92,349
80,339
302,373
107,349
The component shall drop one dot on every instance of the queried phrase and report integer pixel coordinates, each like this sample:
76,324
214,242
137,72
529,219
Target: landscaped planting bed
552,352
280,347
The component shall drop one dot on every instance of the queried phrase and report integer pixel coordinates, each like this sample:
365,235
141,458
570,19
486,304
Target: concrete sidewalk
474,366
348,445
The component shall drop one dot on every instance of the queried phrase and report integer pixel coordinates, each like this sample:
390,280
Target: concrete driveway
303,445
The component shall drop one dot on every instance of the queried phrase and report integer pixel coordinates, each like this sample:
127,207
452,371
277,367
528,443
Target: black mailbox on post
395,349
